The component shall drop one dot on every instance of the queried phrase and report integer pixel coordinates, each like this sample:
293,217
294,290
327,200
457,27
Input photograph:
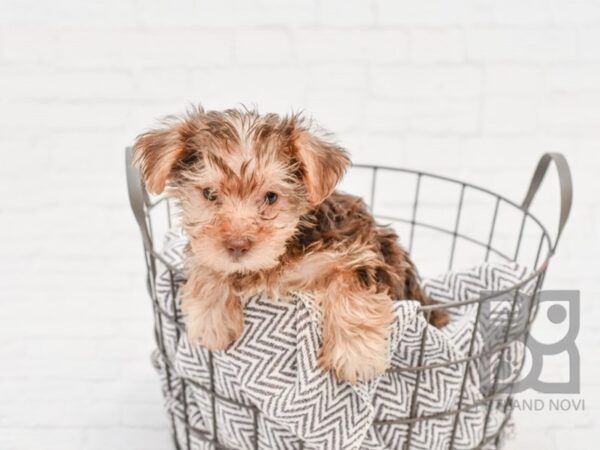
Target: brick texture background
475,89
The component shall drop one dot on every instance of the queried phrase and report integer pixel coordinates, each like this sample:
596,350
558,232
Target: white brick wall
475,89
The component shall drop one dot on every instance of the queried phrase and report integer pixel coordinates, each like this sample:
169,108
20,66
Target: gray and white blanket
273,370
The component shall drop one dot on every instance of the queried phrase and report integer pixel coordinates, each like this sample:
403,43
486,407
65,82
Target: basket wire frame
143,206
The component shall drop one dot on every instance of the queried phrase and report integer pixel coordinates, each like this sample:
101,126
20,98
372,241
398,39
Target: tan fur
220,166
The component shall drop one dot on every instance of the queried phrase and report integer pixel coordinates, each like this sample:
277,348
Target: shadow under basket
444,223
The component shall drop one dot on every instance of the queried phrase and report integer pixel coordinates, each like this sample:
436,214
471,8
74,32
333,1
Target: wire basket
449,220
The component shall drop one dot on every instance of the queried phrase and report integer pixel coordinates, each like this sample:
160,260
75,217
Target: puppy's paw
216,334
215,339
356,359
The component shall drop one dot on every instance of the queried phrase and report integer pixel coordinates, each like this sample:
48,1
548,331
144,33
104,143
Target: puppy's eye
270,197
209,194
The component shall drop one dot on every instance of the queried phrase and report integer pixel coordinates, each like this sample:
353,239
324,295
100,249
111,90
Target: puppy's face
243,180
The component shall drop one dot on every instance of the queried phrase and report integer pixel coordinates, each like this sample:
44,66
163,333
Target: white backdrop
475,89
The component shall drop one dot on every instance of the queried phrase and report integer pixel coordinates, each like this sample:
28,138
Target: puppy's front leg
356,328
214,313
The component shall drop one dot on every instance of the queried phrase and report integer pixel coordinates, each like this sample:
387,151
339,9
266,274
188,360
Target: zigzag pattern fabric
269,381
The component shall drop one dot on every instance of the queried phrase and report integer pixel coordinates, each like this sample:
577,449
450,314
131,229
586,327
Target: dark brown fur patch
344,219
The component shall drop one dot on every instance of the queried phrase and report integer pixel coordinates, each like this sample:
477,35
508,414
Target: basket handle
566,187
138,198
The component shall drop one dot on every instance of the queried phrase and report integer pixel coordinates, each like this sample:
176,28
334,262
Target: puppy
259,207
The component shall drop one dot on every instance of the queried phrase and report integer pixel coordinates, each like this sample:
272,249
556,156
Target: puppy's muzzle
237,247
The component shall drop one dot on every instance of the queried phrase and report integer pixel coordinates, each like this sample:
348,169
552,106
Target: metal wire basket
418,217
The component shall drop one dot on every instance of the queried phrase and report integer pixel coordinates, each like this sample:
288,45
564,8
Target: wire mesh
496,245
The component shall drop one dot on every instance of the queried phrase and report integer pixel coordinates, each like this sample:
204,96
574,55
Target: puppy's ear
156,152
323,164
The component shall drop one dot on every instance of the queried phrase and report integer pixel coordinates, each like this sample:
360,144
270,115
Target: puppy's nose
237,247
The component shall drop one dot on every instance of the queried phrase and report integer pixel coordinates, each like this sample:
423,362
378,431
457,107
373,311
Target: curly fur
220,166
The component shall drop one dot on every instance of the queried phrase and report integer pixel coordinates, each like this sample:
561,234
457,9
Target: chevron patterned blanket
269,381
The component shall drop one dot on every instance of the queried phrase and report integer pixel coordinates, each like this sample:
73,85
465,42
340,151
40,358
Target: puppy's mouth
237,258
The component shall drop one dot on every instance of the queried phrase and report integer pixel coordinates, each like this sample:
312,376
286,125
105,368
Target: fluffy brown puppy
258,204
